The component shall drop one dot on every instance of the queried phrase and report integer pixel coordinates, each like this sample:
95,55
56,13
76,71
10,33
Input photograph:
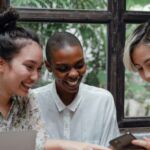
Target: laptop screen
18,140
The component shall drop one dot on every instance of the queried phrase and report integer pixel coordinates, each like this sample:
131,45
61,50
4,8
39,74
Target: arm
110,129
70,145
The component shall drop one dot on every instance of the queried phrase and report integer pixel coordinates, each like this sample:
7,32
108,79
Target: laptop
18,140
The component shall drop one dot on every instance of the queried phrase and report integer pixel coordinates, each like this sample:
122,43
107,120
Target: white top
91,117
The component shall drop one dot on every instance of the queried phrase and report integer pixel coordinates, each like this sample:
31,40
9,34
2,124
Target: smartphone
123,142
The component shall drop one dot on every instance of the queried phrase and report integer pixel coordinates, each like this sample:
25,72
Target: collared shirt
24,115
91,117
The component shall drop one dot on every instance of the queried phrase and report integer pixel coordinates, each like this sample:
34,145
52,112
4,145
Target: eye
39,69
139,69
148,64
29,67
79,65
63,68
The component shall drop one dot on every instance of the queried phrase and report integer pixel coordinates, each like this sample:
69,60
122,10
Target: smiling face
141,60
68,67
22,71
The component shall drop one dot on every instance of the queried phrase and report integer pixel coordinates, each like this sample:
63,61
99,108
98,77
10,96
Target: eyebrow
34,62
63,63
146,60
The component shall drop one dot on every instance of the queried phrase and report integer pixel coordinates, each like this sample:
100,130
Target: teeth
72,83
27,85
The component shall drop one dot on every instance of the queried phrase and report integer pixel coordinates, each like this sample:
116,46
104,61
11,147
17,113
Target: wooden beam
136,17
70,16
4,4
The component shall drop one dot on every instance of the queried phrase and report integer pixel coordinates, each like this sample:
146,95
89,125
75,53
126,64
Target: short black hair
59,40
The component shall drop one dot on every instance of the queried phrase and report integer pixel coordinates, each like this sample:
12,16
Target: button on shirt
91,117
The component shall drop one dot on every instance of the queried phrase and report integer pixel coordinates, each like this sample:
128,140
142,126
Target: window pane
93,39
137,95
62,4
138,5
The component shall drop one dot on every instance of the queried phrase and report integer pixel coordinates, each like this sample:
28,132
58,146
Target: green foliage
65,4
135,3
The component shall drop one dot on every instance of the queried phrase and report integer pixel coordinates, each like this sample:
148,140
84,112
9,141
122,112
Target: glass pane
137,95
62,4
138,5
94,41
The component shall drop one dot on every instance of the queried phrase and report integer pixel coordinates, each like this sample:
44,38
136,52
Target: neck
4,99
5,103
66,97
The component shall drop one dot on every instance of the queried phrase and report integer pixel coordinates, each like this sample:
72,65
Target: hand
70,145
144,143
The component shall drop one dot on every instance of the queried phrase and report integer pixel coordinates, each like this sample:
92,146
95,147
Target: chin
73,90
23,93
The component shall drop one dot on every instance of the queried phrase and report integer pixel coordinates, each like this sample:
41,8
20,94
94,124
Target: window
109,15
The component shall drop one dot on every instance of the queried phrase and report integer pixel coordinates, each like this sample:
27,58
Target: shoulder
92,90
97,98
43,89
26,104
32,101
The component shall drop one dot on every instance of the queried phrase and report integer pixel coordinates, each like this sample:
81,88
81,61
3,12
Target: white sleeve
110,129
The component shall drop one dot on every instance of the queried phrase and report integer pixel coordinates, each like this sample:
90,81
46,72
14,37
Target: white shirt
91,117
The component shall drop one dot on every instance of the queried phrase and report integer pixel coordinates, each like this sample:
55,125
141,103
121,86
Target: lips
26,86
72,83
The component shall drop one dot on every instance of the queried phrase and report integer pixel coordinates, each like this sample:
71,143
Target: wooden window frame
115,17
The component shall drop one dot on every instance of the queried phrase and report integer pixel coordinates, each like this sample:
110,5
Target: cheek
58,75
22,73
142,75
83,70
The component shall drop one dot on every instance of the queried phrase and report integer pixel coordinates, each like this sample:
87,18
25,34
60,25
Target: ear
48,66
2,64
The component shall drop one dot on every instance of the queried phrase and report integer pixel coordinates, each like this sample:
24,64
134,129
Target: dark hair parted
12,37
58,41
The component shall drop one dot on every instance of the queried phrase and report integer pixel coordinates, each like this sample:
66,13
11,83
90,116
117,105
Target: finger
100,148
142,143
147,139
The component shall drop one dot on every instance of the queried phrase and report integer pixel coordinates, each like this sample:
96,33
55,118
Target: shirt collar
61,106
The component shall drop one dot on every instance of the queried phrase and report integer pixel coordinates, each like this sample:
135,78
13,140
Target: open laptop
18,140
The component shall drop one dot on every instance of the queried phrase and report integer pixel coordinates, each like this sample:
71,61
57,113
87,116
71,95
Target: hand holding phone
123,142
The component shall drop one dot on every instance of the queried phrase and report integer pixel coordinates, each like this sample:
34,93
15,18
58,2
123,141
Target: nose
35,76
73,73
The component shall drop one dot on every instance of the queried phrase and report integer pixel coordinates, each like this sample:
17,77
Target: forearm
63,145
